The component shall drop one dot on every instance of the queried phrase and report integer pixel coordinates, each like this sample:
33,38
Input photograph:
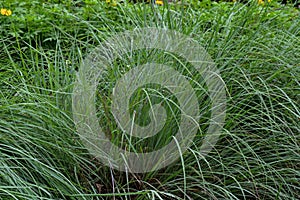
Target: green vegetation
256,48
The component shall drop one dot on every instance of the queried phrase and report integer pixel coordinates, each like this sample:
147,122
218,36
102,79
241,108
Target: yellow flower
3,11
261,2
269,1
159,2
112,2
6,12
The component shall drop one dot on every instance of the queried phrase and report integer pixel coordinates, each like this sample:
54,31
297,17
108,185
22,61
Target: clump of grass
257,156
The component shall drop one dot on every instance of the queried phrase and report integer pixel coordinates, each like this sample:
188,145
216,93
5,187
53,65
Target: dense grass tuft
256,48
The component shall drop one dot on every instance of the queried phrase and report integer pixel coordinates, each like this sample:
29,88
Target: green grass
256,49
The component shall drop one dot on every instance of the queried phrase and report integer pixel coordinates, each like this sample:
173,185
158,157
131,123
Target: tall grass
257,156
